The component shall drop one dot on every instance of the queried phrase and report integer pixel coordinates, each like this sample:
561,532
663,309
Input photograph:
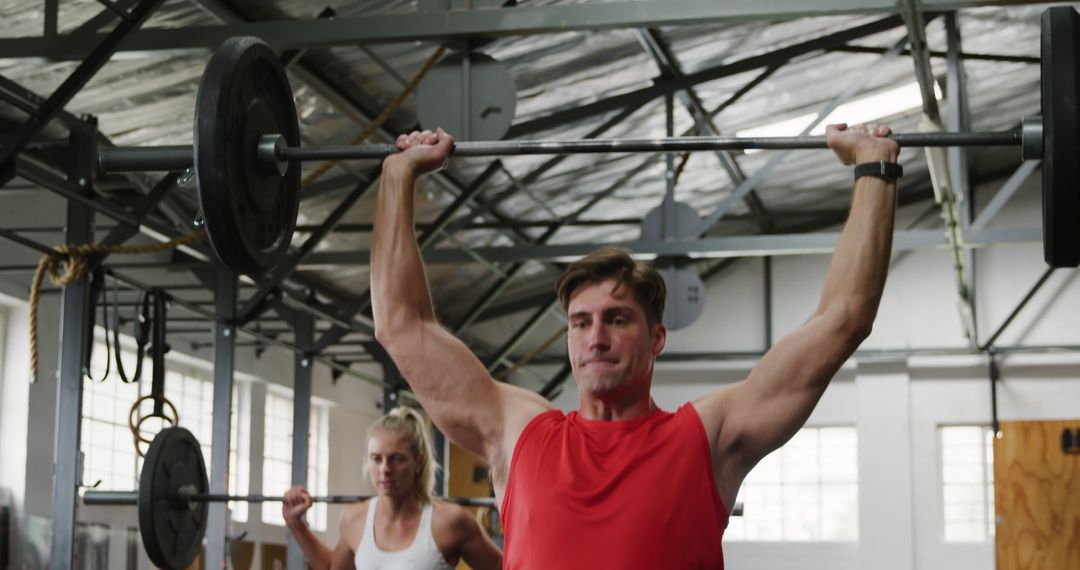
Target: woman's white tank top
422,554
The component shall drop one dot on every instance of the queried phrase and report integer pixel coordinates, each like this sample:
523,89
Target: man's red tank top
613,494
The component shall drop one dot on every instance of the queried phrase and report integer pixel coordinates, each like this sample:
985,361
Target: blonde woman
401,527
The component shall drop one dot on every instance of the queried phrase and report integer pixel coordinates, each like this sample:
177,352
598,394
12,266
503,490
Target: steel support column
304,326
74,318
52,9
224,365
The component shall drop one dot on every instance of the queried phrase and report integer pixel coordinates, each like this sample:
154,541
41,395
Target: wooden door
1037,495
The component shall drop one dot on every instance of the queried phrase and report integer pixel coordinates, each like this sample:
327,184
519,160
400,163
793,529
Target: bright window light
967,482
867,109
806,491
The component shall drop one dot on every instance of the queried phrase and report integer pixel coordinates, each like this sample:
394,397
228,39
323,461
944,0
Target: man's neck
636,408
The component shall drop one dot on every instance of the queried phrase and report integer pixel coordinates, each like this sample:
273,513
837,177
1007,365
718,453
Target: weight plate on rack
250,211
1061,136
172,530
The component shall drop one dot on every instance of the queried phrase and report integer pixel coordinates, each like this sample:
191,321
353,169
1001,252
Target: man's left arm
746,421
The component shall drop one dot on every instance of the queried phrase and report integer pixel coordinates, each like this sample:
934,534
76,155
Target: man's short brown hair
616,264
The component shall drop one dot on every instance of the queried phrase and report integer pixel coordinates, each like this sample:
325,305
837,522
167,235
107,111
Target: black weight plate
250,211
1061,136
172,531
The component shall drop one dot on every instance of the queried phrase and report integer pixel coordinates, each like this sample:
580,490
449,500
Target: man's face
391,463
610,343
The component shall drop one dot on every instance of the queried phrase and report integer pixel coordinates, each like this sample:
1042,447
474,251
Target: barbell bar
272,149
188,493
246,149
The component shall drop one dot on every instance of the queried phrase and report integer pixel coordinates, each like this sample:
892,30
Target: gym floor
897,467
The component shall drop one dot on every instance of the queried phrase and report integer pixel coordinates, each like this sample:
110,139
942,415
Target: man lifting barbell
402,527
652,486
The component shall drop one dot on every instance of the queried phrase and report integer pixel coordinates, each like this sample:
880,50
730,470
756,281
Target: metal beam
445,224
463,24
305,331
282,270
98,55
74,317
751,355
776,159
669,66
912,12
1005,193
499,286
523,331
103,17
189,264
941,55
27,242
52,12
141,209
256,335
517,304
361,303
350,318
661,87
37,171
956,117
552,386
425,227
705,248
1019,307
29,102
217,523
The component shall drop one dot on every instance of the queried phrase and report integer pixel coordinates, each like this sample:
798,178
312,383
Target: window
277,456
107,442
805,491
967,482
3,329
240,449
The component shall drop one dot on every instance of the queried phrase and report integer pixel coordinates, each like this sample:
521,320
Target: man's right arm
465,402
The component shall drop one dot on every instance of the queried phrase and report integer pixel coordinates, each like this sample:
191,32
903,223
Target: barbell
246,149
174,493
